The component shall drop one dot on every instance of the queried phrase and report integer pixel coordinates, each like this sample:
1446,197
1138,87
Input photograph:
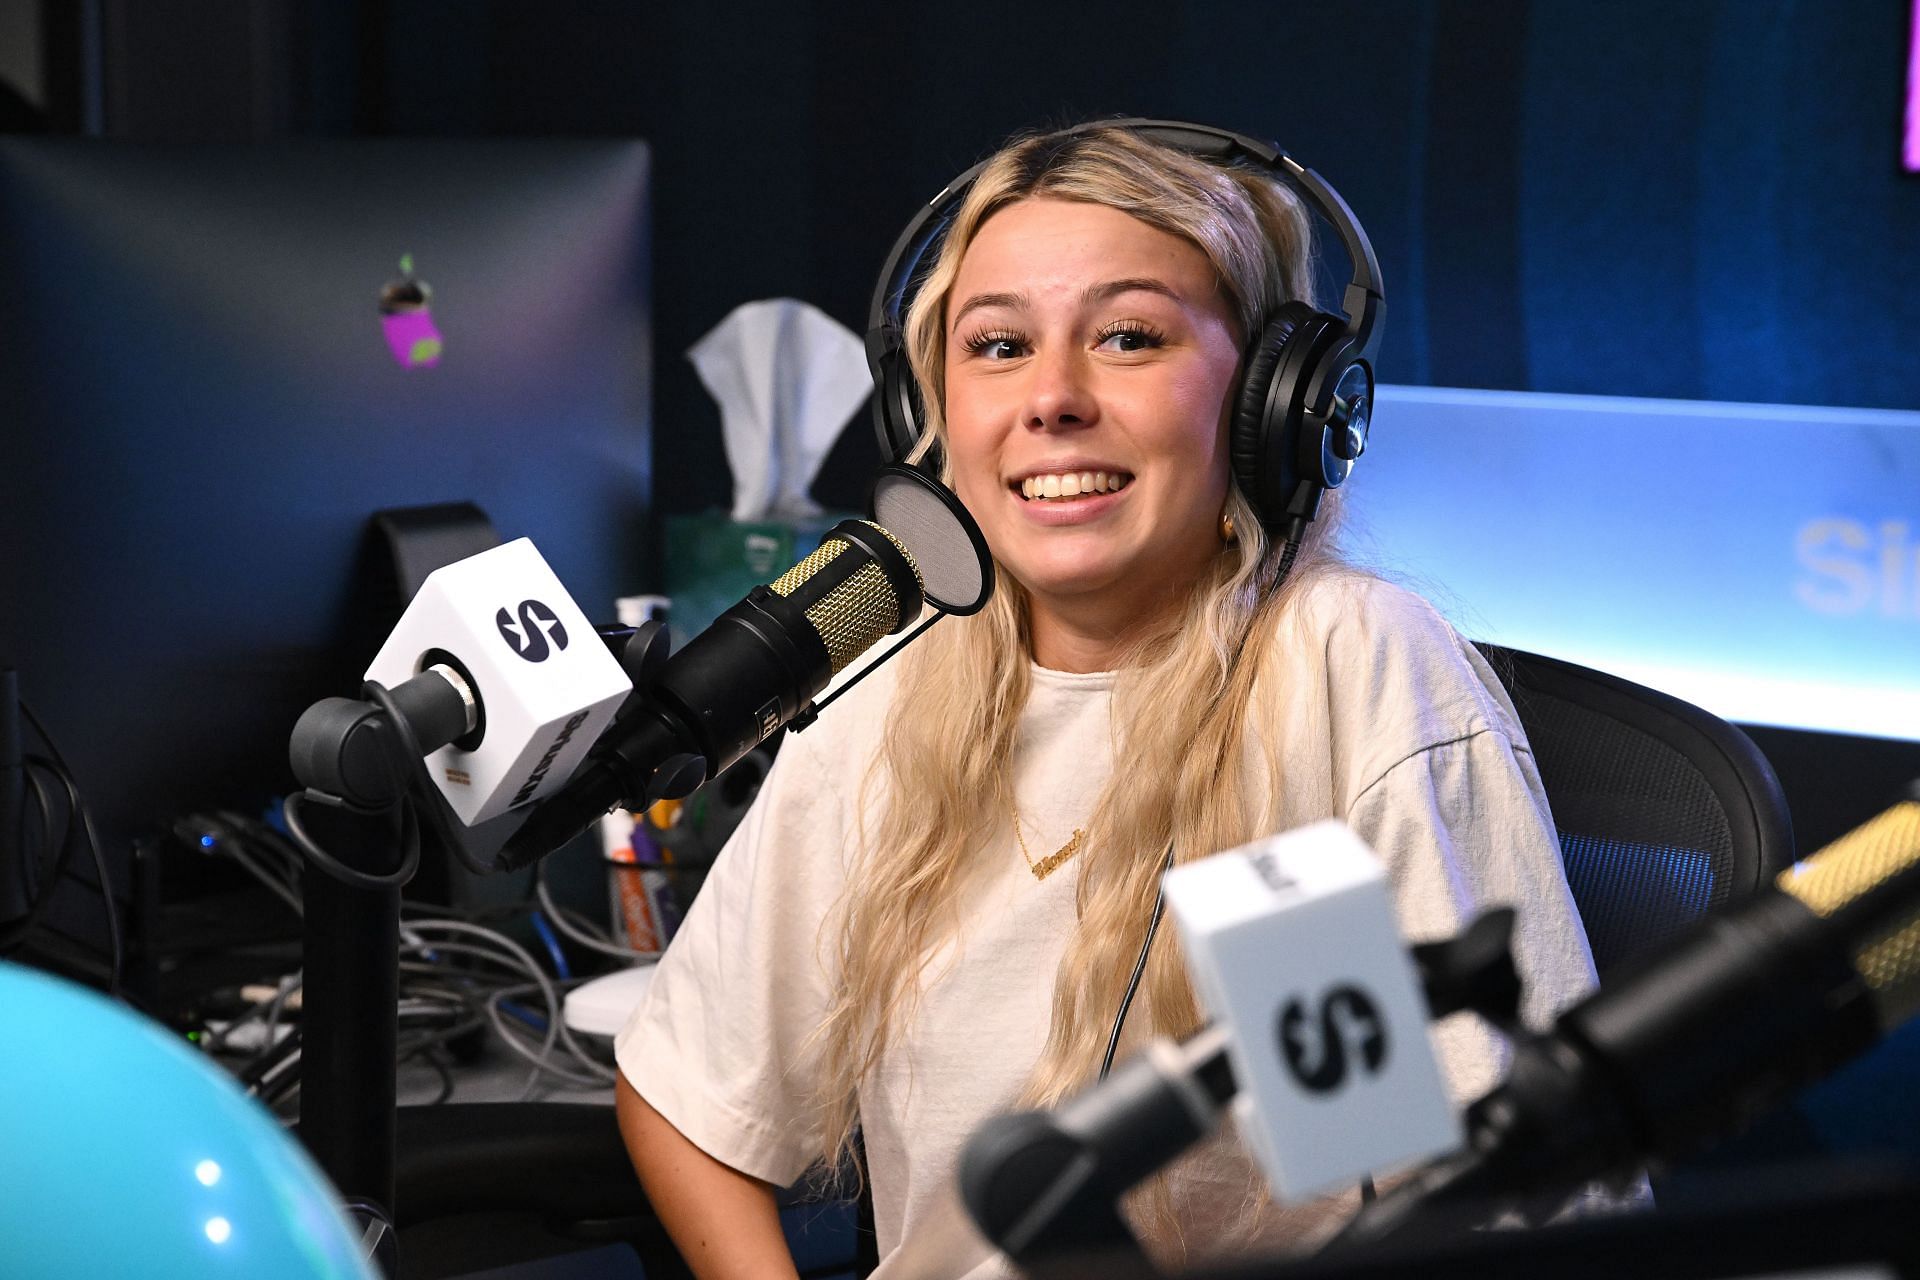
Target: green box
712,561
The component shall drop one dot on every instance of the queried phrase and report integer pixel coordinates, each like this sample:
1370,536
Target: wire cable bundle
462,981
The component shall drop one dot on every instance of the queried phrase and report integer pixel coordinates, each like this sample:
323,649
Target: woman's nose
1059,390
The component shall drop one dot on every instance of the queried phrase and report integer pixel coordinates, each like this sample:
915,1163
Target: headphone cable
1139,967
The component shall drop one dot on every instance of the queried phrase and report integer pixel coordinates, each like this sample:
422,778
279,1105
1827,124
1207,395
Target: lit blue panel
1762,561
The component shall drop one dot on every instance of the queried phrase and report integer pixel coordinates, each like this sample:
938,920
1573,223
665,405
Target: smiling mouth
1062,486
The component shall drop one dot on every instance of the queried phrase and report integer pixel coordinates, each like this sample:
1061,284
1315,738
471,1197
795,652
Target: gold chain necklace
1051,863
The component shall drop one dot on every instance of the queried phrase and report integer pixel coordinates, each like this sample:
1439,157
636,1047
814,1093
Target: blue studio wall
1697,200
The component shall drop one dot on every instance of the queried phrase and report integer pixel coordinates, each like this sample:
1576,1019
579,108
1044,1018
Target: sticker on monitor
407,319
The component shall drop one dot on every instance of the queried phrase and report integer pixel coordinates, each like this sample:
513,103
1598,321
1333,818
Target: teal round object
127,1153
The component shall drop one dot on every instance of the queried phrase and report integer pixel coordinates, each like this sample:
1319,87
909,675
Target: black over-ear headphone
1306,393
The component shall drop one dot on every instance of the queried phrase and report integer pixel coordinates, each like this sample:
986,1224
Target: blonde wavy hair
1181,706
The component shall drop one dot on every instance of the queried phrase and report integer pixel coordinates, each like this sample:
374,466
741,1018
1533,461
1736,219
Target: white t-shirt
1395,725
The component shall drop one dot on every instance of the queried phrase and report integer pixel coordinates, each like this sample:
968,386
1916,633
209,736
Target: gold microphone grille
789,582
1892,970
1862,860
854,615
851,618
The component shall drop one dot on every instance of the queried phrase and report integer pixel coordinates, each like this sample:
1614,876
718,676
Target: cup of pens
640,892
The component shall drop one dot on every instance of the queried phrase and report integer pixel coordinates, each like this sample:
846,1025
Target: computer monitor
204,400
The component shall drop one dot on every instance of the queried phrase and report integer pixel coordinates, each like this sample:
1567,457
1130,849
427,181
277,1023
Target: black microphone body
1695,1042
1699,1038
745,676
1760,1001
1045,1184
758,667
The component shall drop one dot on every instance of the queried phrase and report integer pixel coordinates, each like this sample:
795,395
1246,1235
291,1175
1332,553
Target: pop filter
940,535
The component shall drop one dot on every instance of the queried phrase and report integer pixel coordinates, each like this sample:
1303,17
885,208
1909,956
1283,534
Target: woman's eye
995,346
1128,339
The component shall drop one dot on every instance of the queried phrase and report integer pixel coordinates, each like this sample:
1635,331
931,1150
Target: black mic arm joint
351,749
1474,970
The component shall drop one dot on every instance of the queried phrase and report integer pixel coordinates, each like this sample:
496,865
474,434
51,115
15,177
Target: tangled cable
463,982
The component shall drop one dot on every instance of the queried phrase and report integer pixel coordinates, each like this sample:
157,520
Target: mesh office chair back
1665,811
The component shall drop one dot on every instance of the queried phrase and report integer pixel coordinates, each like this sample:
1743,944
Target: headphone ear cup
897,411
1266,420
1274,453
1247,441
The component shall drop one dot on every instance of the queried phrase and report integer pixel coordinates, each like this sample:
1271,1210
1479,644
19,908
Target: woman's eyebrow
978,300
1130,284
1093,293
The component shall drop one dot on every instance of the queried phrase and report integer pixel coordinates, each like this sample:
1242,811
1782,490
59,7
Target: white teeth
1073,484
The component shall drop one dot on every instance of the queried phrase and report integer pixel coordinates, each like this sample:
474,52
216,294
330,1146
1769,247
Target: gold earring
1226,526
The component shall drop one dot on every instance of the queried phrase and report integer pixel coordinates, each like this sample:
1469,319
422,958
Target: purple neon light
1911,153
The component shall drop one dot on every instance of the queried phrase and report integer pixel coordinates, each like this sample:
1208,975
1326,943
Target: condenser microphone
1698,1039
756,668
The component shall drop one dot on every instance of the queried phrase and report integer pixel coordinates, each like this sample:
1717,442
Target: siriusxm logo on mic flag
1344,1028
1293,946
533,630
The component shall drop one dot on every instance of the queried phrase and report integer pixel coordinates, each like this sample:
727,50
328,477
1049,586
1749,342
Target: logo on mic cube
1293,946
1319,1046
533,630
547,688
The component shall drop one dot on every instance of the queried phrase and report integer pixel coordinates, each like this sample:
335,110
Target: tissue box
712,561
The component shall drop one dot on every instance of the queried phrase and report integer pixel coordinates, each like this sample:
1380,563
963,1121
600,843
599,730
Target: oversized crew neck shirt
1391,723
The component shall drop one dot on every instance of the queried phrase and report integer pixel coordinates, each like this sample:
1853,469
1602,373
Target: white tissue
787,377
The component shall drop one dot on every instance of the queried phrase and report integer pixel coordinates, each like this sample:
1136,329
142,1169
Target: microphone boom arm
1044,1184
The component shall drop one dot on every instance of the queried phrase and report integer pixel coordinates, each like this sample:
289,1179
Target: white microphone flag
1293,946
548,685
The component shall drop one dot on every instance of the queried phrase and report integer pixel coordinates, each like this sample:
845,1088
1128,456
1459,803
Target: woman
931,914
